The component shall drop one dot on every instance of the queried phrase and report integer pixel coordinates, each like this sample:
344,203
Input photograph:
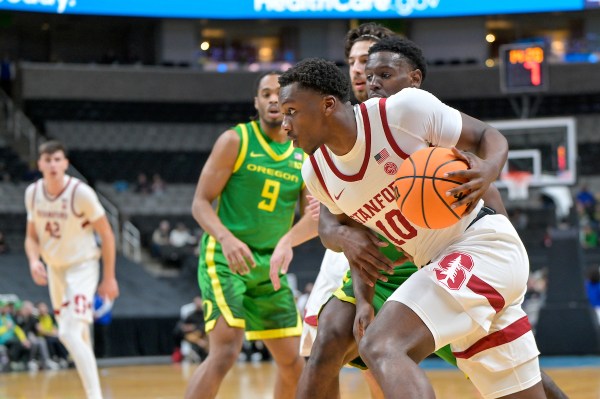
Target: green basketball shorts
383,290
248,301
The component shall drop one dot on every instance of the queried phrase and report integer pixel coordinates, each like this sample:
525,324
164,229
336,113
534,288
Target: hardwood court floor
246,381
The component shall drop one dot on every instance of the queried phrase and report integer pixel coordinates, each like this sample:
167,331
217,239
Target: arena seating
145,313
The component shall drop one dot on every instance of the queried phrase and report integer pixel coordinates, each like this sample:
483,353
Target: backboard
545,147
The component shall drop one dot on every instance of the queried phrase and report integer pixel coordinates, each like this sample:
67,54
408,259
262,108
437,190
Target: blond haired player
62,215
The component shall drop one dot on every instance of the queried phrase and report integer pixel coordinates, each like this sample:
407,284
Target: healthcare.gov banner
291,9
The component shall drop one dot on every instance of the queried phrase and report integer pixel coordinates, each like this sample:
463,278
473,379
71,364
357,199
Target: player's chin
274,122
310,151
361,94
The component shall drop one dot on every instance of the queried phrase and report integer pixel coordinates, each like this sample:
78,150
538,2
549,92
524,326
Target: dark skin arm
485,150
213,179
361,248
360,245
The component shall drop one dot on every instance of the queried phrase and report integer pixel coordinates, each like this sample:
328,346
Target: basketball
421,188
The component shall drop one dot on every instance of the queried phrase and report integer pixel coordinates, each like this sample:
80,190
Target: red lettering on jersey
401,229
53,229
372,208
375,204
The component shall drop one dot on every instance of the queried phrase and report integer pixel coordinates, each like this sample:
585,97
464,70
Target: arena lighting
251,9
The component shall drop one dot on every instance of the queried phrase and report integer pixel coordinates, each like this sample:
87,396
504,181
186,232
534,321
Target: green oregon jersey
258,203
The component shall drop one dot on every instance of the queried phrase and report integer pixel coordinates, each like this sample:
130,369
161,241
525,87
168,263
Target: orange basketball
421,188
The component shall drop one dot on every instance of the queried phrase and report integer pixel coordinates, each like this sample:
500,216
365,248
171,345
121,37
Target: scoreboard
523,68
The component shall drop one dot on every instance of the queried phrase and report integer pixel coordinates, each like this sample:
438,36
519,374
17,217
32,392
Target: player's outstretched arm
304,229
108,288
213,179
32,250
485,149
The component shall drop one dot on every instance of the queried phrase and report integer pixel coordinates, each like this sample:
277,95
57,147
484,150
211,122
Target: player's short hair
404,47
50,147
260,77
367,31
319,75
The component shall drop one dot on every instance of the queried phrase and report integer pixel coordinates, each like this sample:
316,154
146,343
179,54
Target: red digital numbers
522,68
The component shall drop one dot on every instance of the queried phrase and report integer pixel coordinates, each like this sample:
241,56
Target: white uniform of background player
333,269
484,267
62,214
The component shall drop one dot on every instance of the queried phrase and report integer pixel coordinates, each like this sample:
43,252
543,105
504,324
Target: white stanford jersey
63,223
360,183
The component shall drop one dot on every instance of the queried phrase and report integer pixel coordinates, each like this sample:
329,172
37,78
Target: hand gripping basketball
421,187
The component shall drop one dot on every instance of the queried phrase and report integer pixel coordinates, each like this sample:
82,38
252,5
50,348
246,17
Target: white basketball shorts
333,268
72,289
470,297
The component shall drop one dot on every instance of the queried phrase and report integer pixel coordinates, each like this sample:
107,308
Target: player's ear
416,78
256,103
329,104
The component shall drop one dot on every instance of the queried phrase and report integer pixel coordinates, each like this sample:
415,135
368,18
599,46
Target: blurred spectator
47,329
4,248
583,216
588,237
121,186
255,351
158,184
181,246
13,338
181,236
592,287
27,321
142,185
191,341
586,198
102,320
160,239
535,295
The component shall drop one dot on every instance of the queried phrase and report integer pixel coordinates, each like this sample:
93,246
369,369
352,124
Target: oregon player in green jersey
254,173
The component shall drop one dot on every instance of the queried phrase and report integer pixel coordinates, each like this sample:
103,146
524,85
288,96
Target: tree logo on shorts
452,269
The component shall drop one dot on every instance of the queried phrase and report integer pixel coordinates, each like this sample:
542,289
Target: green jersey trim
276,333
263,143
243,148
218,290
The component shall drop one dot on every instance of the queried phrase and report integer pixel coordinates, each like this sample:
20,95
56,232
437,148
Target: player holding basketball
62,215
396,63
486,296
254,171
338,345
335,265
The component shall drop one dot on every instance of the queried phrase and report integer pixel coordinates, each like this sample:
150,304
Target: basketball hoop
517,183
